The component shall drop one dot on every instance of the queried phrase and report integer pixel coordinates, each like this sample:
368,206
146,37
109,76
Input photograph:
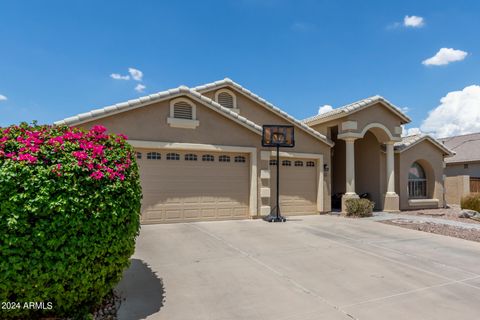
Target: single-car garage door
181,186
298,186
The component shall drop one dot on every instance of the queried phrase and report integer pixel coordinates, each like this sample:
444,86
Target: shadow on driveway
141,291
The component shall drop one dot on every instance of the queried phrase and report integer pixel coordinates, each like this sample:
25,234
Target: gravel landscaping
437,228
450,213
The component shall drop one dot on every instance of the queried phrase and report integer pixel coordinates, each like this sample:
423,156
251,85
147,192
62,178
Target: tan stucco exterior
352,153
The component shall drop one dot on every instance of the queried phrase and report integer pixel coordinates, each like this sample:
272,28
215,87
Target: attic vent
226,100
182,110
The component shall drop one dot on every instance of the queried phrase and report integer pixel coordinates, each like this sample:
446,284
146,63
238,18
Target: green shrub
359,207
471,202
69,216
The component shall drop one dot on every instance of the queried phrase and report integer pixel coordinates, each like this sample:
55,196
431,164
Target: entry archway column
391,199
349,171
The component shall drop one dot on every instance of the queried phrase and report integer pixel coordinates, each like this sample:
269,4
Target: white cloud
3,98
324,109
413,21
410,131
303,27
140,87
458,113
445,56
118,76
136,74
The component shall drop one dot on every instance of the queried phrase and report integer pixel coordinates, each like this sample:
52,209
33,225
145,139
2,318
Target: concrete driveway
315,267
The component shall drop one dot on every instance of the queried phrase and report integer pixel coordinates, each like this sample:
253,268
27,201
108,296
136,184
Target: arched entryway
363,165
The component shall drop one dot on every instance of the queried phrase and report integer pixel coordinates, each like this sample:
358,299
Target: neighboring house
200,155
466,160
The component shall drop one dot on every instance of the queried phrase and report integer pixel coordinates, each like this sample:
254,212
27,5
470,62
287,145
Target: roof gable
264,103
355,107
157,97
410,141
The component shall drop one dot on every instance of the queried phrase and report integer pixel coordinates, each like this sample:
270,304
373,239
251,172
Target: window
417,182
224,158
208,157
183,114
153,156
310,164
273,162
298,163
190,157
465,166
226,99
139,155
287,163
239,159
173,156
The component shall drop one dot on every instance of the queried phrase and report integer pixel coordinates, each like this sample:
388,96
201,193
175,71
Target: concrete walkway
381,216
312,267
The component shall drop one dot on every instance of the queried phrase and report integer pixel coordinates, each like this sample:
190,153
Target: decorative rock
465,213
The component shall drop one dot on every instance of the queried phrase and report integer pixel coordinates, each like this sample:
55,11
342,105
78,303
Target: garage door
193,186
298,186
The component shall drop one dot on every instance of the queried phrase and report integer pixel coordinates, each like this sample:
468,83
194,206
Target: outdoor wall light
326,168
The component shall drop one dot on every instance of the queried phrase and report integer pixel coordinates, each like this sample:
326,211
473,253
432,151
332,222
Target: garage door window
173,156
224,158
154,156
287,163
139,155
240,159
298,163
208,157
273,162
190,157
310,164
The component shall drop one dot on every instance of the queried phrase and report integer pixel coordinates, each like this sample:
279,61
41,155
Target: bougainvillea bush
69,216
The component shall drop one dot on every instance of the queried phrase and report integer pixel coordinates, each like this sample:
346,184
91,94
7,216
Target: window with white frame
417,182
240,159
298,163
286,163
224,158
227,99
173,156
139,155
183,114
154,156
310,164
273,162
190,157
208,157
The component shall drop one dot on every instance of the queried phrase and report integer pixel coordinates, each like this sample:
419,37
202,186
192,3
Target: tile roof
156,97
466,147
265,103
355,106
412,140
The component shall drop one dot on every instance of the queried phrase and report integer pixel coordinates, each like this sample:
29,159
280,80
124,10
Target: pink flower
98,129
97,175
80,155
27,157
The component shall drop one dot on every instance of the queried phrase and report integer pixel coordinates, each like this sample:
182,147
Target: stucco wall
457,169
431,159
377,113
455,188
367,167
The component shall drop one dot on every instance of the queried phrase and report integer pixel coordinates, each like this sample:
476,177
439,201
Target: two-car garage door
181,186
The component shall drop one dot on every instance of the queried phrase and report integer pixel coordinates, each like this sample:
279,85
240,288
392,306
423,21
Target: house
200,155
466,160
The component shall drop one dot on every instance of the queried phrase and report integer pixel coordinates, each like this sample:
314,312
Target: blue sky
56,57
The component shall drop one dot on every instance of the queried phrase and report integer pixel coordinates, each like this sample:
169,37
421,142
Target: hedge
69,216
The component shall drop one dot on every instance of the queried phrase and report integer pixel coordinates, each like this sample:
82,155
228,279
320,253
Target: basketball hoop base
271,218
